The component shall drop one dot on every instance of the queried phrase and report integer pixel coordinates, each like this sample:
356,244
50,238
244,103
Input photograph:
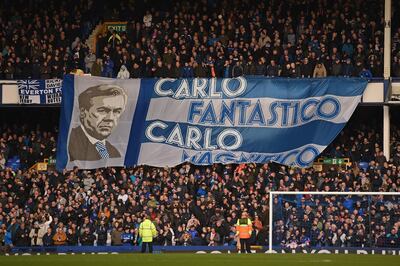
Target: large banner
165,122
43,91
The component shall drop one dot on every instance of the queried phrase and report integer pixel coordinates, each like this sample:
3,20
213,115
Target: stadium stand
43,39
190,203
195,205
205,38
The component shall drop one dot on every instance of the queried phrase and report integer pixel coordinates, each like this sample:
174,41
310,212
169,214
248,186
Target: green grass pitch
200,259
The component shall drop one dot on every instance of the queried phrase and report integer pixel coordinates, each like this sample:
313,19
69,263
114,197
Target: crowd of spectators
193,205
296,38
271,38
336,221
42,38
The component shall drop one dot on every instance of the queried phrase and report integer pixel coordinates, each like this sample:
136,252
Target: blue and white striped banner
165,122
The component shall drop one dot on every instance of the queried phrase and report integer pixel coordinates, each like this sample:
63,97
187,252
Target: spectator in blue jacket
108,69
392,239
347,68
187,71
348,48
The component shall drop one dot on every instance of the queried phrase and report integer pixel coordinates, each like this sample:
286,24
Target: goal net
312,220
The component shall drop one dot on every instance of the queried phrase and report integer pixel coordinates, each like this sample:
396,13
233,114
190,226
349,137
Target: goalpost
273,194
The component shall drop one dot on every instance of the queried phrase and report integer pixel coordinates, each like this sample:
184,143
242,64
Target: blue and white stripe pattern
102,149
205,121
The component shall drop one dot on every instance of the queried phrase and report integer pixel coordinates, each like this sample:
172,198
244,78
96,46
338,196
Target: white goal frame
274,193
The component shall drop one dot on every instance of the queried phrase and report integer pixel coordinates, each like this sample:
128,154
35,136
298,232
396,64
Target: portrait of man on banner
100,108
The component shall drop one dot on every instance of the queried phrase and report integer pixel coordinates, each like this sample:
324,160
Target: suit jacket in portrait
81,149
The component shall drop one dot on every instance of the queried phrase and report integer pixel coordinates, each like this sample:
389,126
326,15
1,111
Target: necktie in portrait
102,150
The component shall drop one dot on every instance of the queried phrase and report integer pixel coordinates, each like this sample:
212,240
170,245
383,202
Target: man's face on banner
103,115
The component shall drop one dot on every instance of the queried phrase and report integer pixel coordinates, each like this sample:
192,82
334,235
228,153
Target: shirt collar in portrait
92,139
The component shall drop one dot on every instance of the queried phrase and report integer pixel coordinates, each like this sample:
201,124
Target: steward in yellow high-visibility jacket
244,229
147,231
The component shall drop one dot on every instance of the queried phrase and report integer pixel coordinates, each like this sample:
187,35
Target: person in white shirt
123,196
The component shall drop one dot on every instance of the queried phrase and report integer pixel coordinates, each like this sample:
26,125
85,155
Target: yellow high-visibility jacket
244,228
147,231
